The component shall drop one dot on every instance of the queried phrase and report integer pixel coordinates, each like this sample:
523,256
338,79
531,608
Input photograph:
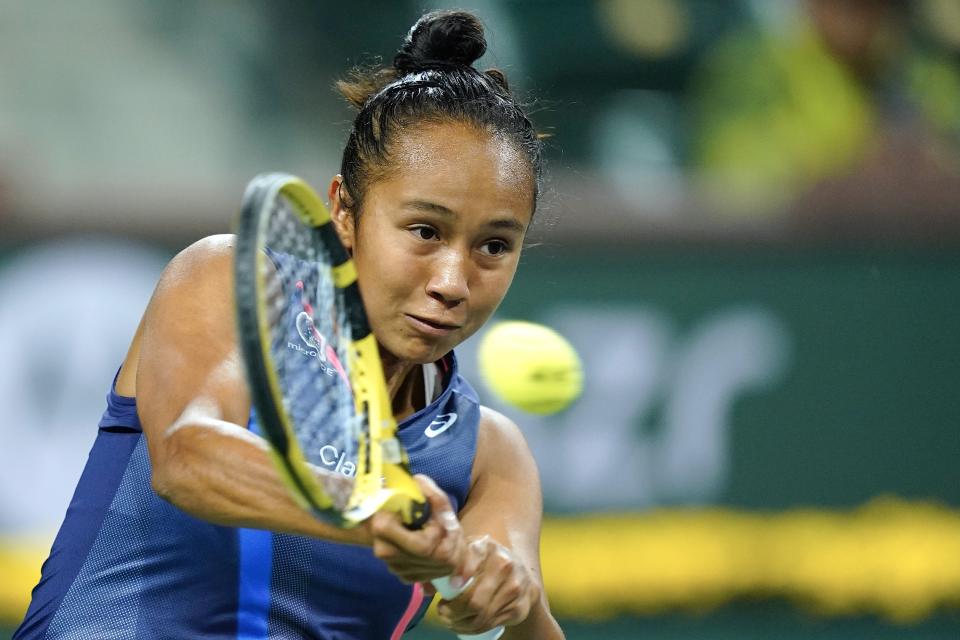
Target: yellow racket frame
382,481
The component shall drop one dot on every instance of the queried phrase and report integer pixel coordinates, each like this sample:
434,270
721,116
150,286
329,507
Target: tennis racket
313,364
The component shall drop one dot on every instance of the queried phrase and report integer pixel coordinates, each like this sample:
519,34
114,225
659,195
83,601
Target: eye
495,247
424,232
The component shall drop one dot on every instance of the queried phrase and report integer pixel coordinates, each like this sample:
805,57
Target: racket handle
448,592
419,514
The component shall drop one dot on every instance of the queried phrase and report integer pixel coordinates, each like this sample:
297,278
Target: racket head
312,363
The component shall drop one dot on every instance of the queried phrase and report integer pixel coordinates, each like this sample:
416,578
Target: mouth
432,326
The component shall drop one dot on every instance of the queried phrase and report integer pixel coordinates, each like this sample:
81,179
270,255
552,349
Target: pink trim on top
416,599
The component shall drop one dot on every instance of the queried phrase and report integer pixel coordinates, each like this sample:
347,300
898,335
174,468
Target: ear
342,217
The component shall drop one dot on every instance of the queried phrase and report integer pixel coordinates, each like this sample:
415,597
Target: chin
425,356
413,353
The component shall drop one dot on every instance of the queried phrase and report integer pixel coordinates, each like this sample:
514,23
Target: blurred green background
750,230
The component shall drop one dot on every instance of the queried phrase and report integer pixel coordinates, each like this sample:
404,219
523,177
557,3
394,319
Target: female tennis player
180,526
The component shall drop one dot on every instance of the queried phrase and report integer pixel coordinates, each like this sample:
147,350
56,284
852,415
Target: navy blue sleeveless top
127,564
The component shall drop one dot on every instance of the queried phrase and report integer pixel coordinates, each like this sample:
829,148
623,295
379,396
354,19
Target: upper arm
505,499
189,361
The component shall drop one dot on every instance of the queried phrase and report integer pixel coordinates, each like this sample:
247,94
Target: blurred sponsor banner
749,378
755,423
68,310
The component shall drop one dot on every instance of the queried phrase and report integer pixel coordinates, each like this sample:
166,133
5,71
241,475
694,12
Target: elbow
170,476
164,484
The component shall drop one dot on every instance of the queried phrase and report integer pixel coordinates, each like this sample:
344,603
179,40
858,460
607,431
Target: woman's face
438,239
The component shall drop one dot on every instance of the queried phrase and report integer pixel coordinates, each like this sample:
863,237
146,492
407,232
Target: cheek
385,272
493,289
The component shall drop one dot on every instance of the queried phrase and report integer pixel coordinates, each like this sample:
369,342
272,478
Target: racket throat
390,489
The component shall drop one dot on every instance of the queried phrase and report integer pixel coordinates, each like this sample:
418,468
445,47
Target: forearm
221,473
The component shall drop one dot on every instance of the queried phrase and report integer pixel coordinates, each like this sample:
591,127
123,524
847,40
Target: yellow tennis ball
530,366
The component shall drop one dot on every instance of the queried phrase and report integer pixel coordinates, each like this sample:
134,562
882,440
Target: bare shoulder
199,275
207,255
189,320
501,447
219,245
497,429
195,290
195,284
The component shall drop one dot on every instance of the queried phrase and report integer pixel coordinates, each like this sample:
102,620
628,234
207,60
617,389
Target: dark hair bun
441,39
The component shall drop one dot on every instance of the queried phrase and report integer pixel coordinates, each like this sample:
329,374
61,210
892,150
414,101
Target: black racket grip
419,514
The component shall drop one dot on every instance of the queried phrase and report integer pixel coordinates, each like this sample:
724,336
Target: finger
481,582
514,584
515,599
462,580
382,523
498,594
420,555
438,564
406,566
468,625
472,569
410,568
440,508
385,550
410,575
442,515
473,625
476,555
443,535
386,527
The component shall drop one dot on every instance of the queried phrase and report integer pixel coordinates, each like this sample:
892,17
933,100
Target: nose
449,279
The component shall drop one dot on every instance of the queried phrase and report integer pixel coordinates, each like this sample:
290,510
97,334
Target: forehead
458,157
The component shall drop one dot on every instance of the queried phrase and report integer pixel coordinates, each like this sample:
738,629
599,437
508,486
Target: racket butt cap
419,514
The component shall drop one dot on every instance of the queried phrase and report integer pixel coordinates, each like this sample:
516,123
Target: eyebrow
432,207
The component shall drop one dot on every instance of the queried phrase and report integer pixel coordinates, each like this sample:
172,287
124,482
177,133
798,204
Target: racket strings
310,341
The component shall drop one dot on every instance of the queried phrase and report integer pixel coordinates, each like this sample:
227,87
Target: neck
404,385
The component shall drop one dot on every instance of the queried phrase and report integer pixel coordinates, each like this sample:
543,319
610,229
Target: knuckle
478,623
444,547
432,541
424,544
504,565
513,616
450,523
481,544
378,525
535,591
505,616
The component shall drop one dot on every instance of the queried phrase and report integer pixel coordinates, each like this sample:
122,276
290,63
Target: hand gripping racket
313,365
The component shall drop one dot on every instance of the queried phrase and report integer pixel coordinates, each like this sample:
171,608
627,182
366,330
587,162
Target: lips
435,322
433,325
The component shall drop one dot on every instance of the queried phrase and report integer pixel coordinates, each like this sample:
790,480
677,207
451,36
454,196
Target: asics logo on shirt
440,424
